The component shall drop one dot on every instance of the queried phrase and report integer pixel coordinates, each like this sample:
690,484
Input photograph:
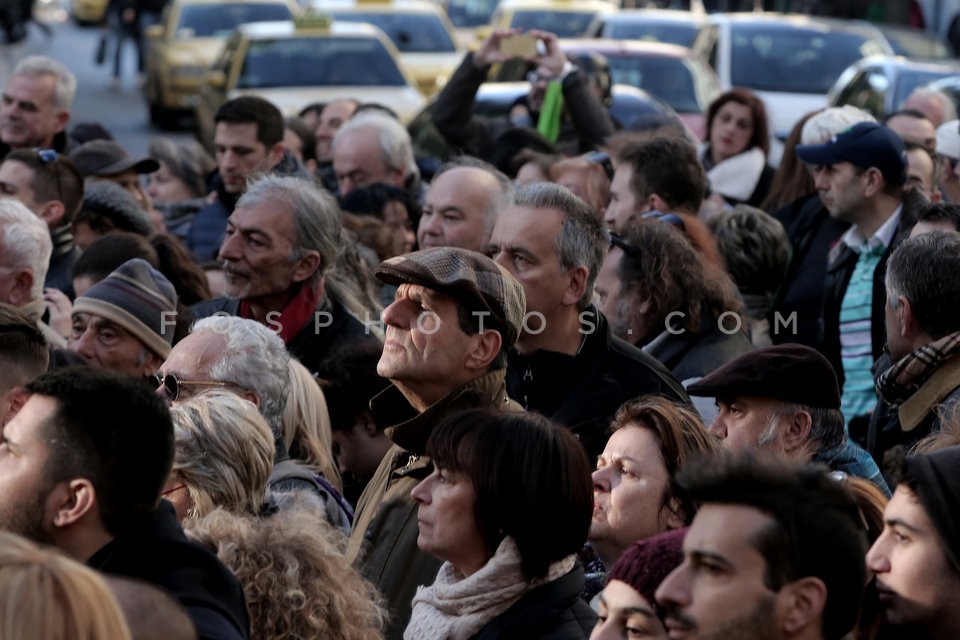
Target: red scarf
294,316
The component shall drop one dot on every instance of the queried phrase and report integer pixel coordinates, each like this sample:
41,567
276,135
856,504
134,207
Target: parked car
880,84
565,18
651,25
790,61
912,42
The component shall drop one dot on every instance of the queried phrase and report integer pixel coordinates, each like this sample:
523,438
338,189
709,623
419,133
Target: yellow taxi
88,11
565,18
182,47
312,59
419,29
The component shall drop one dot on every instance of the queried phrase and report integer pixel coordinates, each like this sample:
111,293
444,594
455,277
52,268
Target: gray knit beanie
138,298
115,203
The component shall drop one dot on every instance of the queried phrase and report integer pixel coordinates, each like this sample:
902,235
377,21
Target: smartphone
521,45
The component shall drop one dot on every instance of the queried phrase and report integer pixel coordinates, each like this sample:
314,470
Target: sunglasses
49,156
172,385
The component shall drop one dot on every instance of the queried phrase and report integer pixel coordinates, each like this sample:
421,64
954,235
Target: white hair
832,121
393,138
949,110
25,242
66,86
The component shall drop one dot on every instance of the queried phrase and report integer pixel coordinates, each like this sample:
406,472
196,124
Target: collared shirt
854,239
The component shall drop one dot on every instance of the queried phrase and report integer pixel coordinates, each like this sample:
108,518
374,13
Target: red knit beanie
647,562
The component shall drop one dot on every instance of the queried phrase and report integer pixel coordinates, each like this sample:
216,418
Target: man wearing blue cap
860,175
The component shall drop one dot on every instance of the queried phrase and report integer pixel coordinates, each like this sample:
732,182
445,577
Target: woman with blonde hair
47,596
306,425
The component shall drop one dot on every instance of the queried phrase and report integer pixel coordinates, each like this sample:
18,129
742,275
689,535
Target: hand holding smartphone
521,45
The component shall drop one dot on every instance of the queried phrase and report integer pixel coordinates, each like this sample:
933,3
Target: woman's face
731,131
626,615
448,524
397,220
163,186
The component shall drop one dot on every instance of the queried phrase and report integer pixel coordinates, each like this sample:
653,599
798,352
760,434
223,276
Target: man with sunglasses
126,321
50,186
35,106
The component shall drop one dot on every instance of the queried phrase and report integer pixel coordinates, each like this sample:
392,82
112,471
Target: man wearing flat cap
916,560
105,160
784,399
860,175
455,317
125,322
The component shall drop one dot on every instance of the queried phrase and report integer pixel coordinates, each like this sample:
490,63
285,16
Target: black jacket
553,611
157,552
584,391
312,345
586,123
691,355
812,233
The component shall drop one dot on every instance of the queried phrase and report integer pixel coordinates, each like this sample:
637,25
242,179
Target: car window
793,60
410,32
206,20
470,13
669,79
669,32
566,24
858,92
311,62
910,79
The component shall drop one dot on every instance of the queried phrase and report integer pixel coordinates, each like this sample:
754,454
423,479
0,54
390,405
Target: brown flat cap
470,278
107,158
788,372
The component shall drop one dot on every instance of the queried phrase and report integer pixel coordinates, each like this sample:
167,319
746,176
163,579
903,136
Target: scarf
902,380
736,178
295,316
456,608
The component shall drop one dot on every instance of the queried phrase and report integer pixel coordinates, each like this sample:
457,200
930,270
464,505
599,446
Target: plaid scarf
902,380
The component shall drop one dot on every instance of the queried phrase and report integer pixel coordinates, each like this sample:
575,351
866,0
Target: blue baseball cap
865,144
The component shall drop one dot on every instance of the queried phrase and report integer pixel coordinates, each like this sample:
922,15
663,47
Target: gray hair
498,200
187,161
923,270
829,122
253,358
66,82
316,215
394,139
224,452
25,242
582,242
949,110
826,425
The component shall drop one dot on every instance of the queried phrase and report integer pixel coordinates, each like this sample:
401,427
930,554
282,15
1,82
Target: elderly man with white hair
36,105
25,249
373,147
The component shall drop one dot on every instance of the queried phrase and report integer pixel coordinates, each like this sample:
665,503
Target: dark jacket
839,271
585,126
385,530
553,611
64,256
584,391
812,232
691,355
209,225
312,344
157,552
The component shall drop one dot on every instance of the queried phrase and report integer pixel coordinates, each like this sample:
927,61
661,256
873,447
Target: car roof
559,5
658,15
399,6
610,47
289,28
796,20
898,63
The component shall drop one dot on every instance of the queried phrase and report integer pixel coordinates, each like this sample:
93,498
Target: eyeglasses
173,490
172,384
533,77
48,156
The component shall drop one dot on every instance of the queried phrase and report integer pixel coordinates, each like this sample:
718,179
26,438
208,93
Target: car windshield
669,79
565,24
410,32
669,32
318,62
793,60
206,20
470,13
910,79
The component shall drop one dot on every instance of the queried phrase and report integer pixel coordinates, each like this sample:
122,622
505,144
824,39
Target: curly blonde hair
295,578
47,596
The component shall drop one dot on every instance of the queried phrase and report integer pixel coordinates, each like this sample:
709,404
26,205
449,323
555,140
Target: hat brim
144,165
818,154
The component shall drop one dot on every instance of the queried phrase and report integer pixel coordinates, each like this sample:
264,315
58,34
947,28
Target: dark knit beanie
648,562
115,203
935,479
138,298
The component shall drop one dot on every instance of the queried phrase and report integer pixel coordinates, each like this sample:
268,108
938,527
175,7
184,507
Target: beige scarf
456,608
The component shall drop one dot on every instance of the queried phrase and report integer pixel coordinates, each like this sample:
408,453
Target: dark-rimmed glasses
172,385
49,156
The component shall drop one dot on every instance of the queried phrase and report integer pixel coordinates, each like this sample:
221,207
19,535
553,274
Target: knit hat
648,562
788,372
118,205
936,482
107,158
472,279
138,298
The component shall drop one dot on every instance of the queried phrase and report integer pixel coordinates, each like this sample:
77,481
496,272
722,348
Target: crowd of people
580,379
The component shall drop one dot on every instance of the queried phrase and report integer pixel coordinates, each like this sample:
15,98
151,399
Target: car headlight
188,72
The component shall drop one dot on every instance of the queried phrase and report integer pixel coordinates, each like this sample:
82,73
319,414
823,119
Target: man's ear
576,285
800,605
908,319
656,203
306,266
274,155
874,182
71,501
22,291
52,213
485,347
796,432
